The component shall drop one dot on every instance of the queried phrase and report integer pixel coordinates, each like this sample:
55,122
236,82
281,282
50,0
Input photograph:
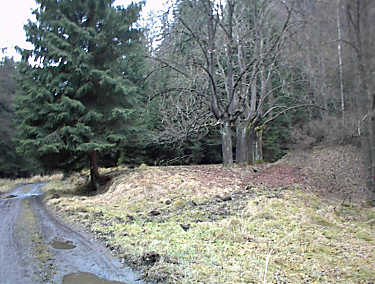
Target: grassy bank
208,224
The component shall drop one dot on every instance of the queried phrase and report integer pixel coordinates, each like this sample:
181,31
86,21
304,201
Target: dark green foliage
276,138
8,157
208,148
203,150
11,164
82,94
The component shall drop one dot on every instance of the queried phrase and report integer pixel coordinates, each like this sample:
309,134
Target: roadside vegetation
210,224
7,184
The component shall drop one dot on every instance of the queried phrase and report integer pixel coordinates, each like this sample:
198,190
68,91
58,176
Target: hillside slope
334,171
287,222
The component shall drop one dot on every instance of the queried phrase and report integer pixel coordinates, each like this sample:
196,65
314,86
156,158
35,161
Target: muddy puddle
8,196
62,244
52,251
86,278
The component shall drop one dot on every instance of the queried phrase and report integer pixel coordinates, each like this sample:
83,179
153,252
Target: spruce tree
81,82
11,163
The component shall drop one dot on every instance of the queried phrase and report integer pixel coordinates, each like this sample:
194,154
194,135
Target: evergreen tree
11,163
7,93
81,91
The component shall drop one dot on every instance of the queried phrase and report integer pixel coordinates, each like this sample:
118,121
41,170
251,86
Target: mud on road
35,247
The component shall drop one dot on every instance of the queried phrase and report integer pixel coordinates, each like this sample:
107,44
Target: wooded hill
231,81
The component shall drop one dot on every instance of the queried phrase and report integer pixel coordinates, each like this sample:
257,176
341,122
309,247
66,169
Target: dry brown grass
8,184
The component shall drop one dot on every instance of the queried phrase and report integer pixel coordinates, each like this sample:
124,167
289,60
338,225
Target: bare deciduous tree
233,49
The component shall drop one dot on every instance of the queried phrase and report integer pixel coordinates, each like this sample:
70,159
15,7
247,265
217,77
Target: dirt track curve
37,248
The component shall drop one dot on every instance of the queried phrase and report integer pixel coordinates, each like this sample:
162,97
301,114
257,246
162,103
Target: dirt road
37,248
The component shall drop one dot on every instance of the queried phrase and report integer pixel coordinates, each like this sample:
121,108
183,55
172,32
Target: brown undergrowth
334,172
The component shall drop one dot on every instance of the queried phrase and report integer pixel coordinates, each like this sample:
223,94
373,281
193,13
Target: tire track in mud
28,250
11,262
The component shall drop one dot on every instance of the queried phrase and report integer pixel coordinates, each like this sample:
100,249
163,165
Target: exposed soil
37,248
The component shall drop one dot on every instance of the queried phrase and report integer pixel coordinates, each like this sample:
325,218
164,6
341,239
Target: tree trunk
255,145
371,184
370,134
361,35
259,148
340,61
249,144
94,171
227,150
242,150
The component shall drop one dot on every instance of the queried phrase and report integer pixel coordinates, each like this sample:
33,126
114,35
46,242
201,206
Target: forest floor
303,219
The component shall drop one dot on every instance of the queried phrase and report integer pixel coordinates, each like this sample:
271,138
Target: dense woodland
234,81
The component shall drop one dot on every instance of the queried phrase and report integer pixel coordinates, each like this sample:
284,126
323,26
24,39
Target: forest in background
232,82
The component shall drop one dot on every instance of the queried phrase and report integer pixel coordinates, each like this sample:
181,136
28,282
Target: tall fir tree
81,83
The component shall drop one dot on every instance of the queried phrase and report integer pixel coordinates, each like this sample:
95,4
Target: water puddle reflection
8,196
62,244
